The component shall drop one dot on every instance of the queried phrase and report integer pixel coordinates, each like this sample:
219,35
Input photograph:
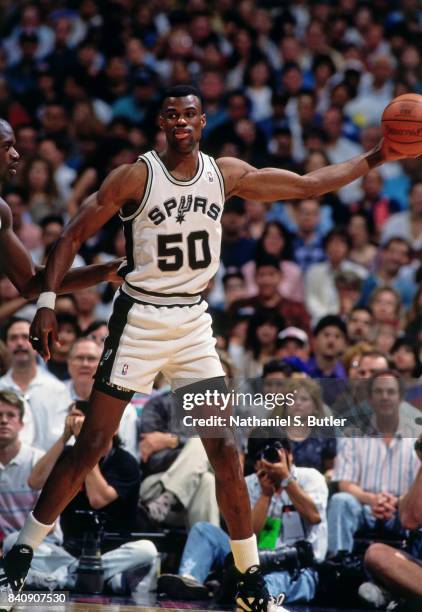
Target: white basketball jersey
173,240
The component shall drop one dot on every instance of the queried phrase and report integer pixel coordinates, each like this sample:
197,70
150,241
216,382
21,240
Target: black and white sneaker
14,568
5,589
252,594
182,587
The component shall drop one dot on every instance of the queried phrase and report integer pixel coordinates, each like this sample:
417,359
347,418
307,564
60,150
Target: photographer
110,487
289,506
399,571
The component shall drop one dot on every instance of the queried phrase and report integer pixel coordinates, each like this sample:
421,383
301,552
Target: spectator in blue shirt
394,271
307,245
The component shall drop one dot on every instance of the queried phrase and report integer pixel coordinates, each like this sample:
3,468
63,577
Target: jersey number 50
170,258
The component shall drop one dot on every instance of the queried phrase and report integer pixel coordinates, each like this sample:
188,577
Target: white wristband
47,299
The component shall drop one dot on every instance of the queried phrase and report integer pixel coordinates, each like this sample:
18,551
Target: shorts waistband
162,300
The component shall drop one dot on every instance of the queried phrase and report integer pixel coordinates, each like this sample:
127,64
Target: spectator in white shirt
375,91
82,364
46,398
407,224
54,152
321,294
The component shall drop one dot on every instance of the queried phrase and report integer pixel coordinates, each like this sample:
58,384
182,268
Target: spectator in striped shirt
397,570
16,462
373,468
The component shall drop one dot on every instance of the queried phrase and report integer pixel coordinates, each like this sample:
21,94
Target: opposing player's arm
28,278
77,279
268,184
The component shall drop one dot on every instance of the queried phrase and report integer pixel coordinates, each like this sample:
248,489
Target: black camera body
270,452
290,558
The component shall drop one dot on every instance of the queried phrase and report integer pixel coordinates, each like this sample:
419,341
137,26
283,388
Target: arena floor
111,607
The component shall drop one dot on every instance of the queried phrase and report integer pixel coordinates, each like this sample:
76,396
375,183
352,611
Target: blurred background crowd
320,288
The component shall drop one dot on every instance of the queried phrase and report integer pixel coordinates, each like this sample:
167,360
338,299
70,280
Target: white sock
33,532
245,553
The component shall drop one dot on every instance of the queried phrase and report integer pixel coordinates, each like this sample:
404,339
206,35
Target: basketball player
15,262
170,206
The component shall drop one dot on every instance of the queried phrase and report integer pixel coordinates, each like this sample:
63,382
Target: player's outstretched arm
268,184
123,185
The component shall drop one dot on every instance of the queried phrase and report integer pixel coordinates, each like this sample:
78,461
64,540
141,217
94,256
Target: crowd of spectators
312,294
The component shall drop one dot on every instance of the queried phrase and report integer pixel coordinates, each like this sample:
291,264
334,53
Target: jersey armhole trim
147,190
220,178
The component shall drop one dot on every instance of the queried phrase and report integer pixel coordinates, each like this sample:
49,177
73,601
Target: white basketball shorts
145,339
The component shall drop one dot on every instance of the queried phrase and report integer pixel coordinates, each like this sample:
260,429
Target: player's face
182,121
9,157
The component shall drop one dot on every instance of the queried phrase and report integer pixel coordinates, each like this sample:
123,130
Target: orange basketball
402,124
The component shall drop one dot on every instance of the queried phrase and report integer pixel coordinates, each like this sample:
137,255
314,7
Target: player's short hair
180,91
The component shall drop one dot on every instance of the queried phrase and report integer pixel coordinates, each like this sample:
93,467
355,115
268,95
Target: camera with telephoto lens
90,571
290,558
270,452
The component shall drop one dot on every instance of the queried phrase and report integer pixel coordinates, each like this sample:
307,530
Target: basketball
402,124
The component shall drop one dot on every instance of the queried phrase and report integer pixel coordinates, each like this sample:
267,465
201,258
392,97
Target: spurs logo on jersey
173,240
186,204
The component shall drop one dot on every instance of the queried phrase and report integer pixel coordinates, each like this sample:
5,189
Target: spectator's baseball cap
294,333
